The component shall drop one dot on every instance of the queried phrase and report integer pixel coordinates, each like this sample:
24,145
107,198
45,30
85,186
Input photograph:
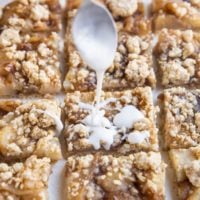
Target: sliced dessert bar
181,120
178,57
132,65
137,176
176,14
29,63
28,128
124,123
186,164
25,180
32,15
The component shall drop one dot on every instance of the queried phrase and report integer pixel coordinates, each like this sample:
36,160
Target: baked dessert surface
176,14
29,63
29,128
78,133
25,180
132,65
32,15
181,117
186,164
177,54
137,176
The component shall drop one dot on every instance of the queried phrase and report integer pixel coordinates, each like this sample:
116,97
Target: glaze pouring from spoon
95,37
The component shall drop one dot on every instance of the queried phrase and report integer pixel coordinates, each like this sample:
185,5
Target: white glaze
104,135
137,137
127,117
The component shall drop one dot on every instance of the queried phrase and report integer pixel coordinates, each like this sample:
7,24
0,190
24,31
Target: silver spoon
95,37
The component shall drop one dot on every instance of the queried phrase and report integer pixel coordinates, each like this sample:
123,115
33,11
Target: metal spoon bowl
95,35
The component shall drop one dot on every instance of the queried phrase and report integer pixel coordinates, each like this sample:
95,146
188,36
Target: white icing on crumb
138,137
127,117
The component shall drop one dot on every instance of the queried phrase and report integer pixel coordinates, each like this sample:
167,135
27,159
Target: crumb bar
32,15
137,176
186,164
78,135
25,180
181,121
28,128
132,65
178,57
176,14
29,63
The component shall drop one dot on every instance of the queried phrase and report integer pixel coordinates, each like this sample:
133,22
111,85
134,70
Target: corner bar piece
29,63
186,164
176,14
32,15
25,180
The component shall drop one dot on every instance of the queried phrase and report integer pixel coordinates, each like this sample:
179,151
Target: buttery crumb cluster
178,57
32,15
124,177
176,14
187,171
29,61
181,117
27,128
77,133
26,178
132,65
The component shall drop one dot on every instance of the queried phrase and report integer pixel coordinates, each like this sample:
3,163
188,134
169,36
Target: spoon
95,37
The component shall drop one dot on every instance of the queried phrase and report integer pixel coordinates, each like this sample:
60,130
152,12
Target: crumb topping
25,131
28,15
31,175
181,110
30,61
178,57
122,8
77,133
127,176
132,66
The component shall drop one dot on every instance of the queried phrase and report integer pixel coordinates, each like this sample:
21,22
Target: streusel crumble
29,62
32,15
181,121
177,53
138,176
176,14
28,128
186,164
128,122
25,180
132,65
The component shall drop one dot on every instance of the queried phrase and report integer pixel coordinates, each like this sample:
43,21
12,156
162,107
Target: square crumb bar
28,128
176,14
181,120
138,176
32,15
178,57
186,164
25,180
132,65
29,63
130,114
